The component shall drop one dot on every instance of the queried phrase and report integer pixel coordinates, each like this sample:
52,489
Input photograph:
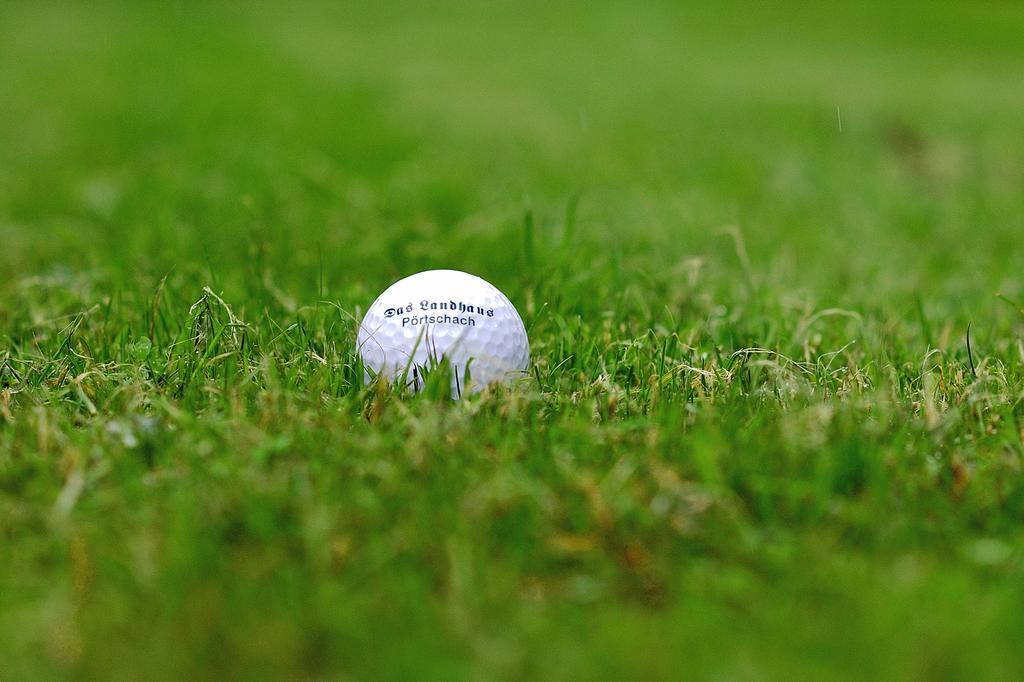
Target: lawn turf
769,258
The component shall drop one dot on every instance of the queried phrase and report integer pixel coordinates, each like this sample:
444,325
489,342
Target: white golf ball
444,314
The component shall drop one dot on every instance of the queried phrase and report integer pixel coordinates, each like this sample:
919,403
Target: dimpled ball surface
444,313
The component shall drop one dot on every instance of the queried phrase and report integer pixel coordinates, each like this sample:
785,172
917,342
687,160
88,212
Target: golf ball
444,314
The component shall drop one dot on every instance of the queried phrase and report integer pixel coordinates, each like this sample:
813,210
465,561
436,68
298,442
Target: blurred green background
660,187
137,138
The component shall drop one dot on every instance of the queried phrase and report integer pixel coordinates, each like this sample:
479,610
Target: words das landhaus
460,313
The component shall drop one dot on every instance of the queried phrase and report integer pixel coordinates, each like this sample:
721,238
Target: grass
769,261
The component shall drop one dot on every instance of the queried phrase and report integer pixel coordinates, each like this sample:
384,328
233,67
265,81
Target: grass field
769,258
